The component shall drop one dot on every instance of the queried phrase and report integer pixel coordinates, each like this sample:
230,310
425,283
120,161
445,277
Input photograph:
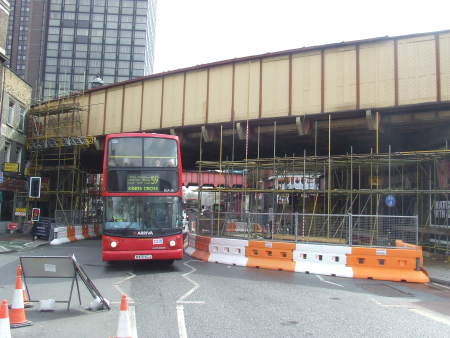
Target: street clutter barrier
17,314
401,263
5,330
124,325
64,267
71,233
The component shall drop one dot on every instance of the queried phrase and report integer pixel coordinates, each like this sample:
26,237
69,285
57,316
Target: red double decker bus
142,191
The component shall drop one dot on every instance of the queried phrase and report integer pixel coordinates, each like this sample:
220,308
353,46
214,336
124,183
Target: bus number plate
158,241
143,257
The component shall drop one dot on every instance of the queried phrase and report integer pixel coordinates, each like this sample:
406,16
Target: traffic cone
124,329
5,330
26,299
17,313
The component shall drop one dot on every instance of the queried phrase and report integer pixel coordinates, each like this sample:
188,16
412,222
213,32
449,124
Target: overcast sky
192,32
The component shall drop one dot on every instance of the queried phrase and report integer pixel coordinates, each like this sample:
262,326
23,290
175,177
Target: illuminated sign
142,183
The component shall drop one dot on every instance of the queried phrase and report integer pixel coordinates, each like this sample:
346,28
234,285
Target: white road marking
181,322
181,300
119,289
407,306
432,315
131,306
3,248
180,308
325,281
419,310
132,314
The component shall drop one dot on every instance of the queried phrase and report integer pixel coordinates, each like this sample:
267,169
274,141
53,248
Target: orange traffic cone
26,299
124,329
5,331
17,314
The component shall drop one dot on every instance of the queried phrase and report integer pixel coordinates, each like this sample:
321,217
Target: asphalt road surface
197,299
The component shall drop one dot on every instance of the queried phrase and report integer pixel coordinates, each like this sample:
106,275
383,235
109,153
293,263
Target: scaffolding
375,184
55,144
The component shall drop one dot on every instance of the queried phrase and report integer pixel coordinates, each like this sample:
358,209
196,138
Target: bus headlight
172,243
113,244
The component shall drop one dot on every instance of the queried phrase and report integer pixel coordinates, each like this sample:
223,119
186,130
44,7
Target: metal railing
367,230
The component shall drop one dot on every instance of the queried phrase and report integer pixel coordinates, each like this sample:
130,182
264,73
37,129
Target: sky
193,32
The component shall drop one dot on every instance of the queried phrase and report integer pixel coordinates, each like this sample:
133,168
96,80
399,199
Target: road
197,299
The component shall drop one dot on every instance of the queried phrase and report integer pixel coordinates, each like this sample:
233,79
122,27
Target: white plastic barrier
191,245
79,232
91,230
60,236
322,259
228,251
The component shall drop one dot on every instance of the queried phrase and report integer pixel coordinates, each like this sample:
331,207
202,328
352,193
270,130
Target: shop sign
11,167
21,212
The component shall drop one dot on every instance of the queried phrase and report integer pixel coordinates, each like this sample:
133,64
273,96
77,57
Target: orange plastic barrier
398,265
71,233
231,227
85,231
271,255
97,229
202,248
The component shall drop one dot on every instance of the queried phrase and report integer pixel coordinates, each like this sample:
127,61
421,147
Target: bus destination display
142,183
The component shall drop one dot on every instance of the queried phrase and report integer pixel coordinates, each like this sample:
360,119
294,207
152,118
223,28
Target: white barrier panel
91,230
228,251
320,259
79,232
191,244
60,236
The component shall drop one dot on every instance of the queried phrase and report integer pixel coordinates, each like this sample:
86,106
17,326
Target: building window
11,110
7,152
18,155
22,112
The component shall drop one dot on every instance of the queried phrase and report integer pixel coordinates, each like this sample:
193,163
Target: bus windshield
158,214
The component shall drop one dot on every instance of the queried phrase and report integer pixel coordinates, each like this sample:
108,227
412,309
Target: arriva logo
145,233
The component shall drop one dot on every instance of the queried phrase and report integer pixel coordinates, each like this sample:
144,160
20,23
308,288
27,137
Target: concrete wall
376,73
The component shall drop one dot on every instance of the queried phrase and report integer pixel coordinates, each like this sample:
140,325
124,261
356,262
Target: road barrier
228,251
17,315
403,263
124,325
71,233
321,259
271,255
5,330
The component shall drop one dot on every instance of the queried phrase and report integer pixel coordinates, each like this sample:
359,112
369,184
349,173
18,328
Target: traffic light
35,213
35,187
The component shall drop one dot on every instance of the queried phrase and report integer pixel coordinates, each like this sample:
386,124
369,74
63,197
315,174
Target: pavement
18,242
198,299
438,269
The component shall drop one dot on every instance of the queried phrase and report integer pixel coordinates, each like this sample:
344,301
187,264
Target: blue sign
1,177
390,201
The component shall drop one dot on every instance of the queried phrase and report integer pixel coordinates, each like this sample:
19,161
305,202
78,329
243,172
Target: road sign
390,201
1,177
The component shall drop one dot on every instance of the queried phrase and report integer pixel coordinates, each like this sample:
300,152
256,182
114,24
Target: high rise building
61,46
